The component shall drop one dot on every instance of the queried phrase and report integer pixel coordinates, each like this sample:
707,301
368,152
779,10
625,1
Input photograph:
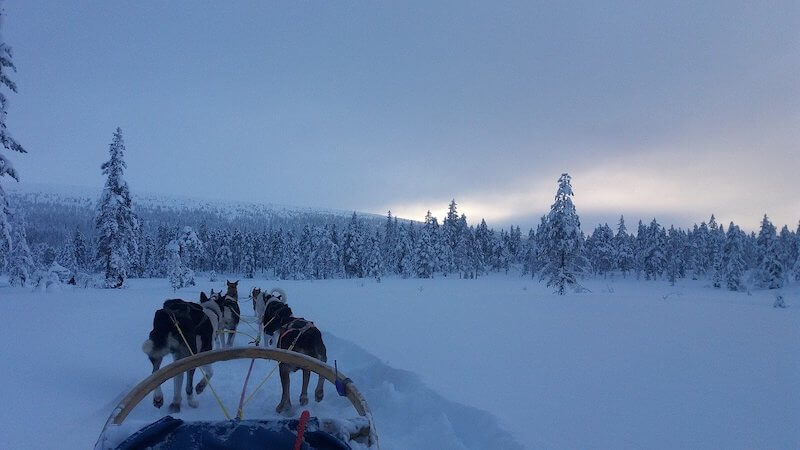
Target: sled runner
306,433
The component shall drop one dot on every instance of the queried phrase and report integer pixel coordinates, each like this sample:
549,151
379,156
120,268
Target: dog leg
304,391
190,399
230,338
175,406
285,403
158,396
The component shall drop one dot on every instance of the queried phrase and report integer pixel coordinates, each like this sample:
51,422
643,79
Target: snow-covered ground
633,364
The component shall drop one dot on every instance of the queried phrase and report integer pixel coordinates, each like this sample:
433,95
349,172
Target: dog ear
236,283
203,297
212,291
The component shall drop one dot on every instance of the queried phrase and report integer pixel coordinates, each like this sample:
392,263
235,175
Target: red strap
301,429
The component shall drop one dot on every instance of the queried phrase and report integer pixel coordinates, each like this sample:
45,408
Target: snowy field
445,363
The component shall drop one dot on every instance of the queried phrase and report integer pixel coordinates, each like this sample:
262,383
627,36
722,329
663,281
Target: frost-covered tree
20,259
248,257
653,253
623,248
405,250
562,247
190,247
352,248
179,275
601,251
115,223
374,264
732,262
425,260
674,253
9,143
770,273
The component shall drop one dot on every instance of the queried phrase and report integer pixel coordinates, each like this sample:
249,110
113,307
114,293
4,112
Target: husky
198,324
299,335
230,314
260,301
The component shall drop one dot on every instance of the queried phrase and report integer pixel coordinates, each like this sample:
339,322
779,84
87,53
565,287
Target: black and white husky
198,325
263,298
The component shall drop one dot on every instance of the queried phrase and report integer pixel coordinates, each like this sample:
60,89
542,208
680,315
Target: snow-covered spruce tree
20,259
451,230
796,265
600,246
247,257
562,248
786,250
352,248
179,275
529,260
732,262
623,249
674,252
405,250
191,247
425,260
654,259
80,252
115,224
770,273
374,266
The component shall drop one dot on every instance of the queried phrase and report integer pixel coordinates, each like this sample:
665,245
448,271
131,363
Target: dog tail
280,294
158,336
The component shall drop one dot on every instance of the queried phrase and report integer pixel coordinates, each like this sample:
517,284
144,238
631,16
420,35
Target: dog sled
307,432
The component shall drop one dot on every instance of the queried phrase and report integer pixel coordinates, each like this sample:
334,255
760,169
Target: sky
674,110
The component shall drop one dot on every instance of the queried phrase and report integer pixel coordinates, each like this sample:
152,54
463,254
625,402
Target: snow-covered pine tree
115,224
562,247
425,260
732,263
179,275
451,230
623,249
405,250
654,261
352,246
674,253
770,273
374,266
9,143
796,265
191,247
248,257
389,244
20,259
601,250
529,261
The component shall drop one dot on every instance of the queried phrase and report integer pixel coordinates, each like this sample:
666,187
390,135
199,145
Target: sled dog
299,335
177,324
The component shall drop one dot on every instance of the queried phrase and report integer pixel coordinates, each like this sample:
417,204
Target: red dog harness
286,329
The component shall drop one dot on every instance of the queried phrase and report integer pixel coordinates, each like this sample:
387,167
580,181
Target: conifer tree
732,264
115,224
770,272
20,259
562,248
623,248
425,251
374,267
9,143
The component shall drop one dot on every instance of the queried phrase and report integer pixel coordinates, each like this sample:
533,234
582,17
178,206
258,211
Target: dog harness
289,327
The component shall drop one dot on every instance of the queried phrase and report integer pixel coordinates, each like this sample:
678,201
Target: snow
446,363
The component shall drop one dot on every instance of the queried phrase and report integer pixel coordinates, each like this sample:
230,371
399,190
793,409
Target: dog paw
174,407
192,401
158,402
201,386
303,400
283,407
318,395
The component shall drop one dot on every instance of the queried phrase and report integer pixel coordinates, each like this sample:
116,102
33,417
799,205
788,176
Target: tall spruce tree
770,273
115,224
9,143
563,253
20,259
733,266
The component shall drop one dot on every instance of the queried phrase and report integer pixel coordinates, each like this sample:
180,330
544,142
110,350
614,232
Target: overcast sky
668,109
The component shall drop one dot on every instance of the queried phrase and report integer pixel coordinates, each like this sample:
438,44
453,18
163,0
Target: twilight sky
666,109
